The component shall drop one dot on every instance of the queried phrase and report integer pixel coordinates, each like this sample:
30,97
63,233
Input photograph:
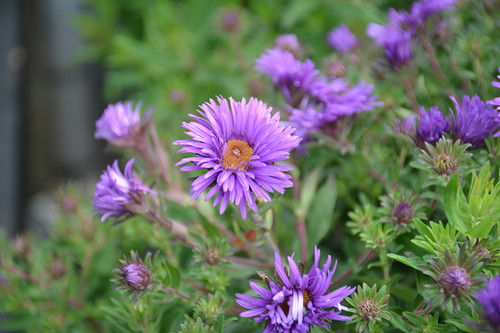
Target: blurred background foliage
174,55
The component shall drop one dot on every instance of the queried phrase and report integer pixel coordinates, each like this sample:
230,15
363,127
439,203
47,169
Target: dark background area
49,103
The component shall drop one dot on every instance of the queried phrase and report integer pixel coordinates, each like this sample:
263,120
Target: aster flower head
395,41
473,121
135,276
342,39
237,144
489,298
120,124
431,126
295,301
117,193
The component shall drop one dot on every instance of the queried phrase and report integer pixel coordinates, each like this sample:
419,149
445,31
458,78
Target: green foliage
477,214
348,181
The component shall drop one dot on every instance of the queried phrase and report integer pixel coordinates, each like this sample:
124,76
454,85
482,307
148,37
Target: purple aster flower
395,40
495,101
120,124
495,83
472,121
117,192
489,297
296,301
342,39
237,143
431,126
288,42
294,77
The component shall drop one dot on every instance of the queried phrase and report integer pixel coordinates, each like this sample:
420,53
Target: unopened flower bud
137,276
178,97
402,214
455,281
290,43
334,67
368,309
22,246
67,204
57,268
230,21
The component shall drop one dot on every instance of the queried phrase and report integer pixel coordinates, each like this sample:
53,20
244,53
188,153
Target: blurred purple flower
342,39
495,101
395,40
489,297
230,21
120,123
329,100
288,42
472,122
432,125
237,143
421,10
290,74
495,83
116,191
296,301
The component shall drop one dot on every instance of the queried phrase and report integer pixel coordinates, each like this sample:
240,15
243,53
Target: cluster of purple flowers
471,122
295,301
397,37
313,101
237,143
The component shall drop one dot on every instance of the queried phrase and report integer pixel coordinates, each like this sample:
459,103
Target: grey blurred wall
49,104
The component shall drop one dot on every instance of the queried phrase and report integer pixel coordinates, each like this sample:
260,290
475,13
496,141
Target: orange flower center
237,152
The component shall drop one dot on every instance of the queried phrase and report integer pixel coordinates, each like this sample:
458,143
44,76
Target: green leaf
415,319
319,219
307,193
454,199
412,261
175,275
483,228
398,322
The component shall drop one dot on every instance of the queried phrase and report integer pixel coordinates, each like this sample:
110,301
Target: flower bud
22,246
136,276
57,268
455,281
402,214
230,21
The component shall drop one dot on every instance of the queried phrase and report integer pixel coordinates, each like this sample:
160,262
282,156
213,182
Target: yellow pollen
237,152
